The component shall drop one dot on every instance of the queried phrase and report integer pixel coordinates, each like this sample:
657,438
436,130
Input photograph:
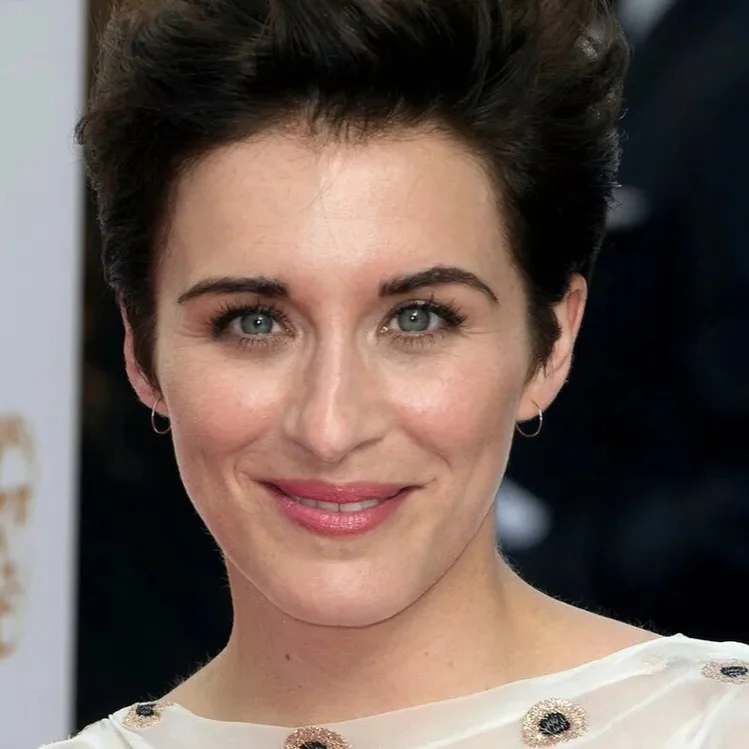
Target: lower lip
325,523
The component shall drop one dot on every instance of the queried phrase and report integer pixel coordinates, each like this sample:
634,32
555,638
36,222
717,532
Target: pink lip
327,523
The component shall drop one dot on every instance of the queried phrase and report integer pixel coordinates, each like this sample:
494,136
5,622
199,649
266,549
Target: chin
341,611
342,601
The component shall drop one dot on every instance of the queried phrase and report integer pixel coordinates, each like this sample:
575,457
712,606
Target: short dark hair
530,86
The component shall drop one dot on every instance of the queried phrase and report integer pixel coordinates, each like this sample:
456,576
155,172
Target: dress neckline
187,727
598,667
531,708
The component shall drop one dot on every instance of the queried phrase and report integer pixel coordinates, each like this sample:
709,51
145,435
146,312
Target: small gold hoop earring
540,426
153,420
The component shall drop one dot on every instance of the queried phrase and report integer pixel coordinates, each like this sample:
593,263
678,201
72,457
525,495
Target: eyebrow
268,287
438,275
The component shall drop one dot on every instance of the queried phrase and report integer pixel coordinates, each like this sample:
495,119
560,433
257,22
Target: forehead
416,198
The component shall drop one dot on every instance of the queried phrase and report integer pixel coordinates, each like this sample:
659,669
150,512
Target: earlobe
140,383
535,400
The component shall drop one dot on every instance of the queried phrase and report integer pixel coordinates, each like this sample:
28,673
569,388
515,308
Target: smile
338,506
338,510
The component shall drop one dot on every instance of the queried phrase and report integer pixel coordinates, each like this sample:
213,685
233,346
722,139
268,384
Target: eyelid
417,340
447,311
231,311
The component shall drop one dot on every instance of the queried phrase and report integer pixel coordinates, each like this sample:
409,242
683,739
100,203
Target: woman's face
343,324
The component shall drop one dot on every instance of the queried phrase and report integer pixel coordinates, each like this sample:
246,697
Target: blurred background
633,500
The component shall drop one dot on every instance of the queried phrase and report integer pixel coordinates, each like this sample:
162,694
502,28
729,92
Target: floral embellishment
313,737
552,722
144,714
729,672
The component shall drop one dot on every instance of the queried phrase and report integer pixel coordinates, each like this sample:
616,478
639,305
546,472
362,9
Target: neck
469,633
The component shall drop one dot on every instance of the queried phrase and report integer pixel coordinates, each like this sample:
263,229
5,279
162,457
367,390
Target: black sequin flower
552,722
144,714
313,737
729,672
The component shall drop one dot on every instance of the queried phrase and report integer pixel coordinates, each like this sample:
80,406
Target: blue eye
251,325
255,323
421,323
415,319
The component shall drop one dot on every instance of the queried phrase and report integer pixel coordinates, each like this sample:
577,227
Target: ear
146,392
545,384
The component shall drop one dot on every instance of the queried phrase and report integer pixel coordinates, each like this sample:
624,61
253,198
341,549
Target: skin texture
336,389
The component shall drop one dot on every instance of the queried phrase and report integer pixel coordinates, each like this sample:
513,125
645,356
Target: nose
336,407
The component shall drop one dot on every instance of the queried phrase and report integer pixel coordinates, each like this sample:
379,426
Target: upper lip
322,491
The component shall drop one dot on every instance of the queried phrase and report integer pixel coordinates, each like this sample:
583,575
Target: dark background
642,467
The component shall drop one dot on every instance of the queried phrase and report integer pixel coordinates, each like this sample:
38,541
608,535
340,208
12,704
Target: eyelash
451,318
448,312
230,312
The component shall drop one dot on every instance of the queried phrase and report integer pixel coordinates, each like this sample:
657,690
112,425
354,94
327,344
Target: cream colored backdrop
42,69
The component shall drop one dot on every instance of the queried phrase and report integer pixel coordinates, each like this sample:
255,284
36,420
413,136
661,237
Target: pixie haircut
530,87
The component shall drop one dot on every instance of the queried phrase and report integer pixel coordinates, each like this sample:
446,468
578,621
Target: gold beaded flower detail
729,672
144,714
313,737
553,721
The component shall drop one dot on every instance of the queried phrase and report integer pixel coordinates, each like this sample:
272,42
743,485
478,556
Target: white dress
672,693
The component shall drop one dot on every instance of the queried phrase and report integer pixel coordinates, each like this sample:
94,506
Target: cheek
463,405
217,407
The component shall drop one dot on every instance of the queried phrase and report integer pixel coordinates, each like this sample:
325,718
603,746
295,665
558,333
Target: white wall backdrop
42,63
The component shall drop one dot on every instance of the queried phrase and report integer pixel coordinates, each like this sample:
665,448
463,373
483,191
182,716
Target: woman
351,242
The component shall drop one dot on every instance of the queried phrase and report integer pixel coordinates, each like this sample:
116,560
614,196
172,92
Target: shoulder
672,693
125,729
725,723
728,726
104,734
700,690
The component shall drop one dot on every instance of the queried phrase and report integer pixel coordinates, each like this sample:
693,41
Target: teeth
359,506
335,506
